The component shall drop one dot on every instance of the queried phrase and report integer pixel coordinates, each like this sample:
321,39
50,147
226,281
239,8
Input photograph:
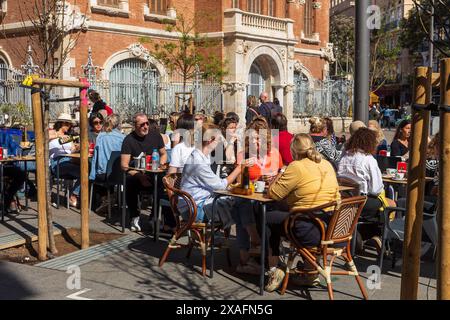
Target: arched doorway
263,76
134,86
255,81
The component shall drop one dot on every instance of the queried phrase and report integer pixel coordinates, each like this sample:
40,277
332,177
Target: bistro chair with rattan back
197,231
335,241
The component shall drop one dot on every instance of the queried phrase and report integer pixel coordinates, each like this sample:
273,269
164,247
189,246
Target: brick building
268,44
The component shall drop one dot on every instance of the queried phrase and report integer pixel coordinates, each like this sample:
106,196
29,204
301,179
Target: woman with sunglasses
96,124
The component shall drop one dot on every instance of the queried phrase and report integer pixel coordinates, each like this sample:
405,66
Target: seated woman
225,154
359,164
264,161
200,181
319,134
306,183
95,126
400,143
57,149
181,152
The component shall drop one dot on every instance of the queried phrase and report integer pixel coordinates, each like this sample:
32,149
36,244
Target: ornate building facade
268,45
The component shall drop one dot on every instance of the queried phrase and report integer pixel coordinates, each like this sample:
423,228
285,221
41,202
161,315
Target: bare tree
52,28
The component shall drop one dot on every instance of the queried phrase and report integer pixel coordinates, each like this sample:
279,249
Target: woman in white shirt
67,168
359,164
182,151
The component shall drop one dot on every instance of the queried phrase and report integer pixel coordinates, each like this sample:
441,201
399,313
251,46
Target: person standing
267,108
252,109
98,103
140,141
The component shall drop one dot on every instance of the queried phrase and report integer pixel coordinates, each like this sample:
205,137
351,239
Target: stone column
317,9
290,4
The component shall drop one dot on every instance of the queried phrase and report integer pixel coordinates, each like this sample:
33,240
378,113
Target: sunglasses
141,125
97,122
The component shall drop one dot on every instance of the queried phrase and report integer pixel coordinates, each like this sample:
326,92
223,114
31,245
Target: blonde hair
302,146
111,122
377,129
317,125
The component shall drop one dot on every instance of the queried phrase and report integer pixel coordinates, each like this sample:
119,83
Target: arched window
308,19
255,81
108,3
134,86
3,78
158,7
254,6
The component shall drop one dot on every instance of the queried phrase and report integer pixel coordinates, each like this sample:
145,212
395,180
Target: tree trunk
51,238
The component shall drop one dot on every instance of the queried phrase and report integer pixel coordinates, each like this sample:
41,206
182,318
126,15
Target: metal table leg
263,249
155,208
2,186
26,185
57,182
124,202
211,267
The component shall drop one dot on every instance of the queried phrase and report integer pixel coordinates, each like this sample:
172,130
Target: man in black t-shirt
141,140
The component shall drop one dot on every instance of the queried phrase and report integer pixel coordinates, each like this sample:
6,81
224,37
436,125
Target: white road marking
76,295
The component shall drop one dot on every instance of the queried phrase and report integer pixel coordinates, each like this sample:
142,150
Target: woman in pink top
279,122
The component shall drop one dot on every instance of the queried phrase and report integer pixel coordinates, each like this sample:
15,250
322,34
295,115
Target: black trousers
142,182
17,179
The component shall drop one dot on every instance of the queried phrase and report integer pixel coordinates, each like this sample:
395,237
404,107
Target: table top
389,179
261,197
15,159
148,170
72,155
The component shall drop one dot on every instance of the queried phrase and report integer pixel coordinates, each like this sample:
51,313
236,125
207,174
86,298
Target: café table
389,179
11,160
263,200
155,174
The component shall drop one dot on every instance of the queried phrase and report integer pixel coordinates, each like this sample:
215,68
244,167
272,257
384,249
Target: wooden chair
339,232
197,231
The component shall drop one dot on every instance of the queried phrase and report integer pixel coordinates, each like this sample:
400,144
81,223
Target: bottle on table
155,160
245,178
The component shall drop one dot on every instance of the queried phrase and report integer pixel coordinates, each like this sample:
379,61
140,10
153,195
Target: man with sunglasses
141,140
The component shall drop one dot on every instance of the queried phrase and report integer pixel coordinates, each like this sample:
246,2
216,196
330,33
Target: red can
148,162
91,149
383,153
402,166
1,153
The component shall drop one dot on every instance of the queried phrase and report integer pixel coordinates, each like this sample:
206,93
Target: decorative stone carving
298,66
291,53
328,52
72,17
233,86
288,88
138,50
298,2
282,52
242,47
317,5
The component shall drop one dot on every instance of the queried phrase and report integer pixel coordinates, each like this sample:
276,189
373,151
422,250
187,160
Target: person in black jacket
400,143
252,109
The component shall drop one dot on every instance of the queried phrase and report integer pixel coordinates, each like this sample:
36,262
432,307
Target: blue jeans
243,215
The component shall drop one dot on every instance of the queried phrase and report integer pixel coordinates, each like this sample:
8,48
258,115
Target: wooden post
443,259
40,172
84,167
416,186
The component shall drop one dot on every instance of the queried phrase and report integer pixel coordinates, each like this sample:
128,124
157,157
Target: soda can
142,163
1,153
148,162
5,153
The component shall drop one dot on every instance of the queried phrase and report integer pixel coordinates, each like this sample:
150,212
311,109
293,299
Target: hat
65,117
355,125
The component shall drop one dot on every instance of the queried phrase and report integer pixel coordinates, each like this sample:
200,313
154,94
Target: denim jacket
106,143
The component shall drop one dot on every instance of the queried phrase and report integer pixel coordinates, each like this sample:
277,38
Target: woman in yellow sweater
308,181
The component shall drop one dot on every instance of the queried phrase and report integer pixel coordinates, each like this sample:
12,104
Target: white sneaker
135,225
276,277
